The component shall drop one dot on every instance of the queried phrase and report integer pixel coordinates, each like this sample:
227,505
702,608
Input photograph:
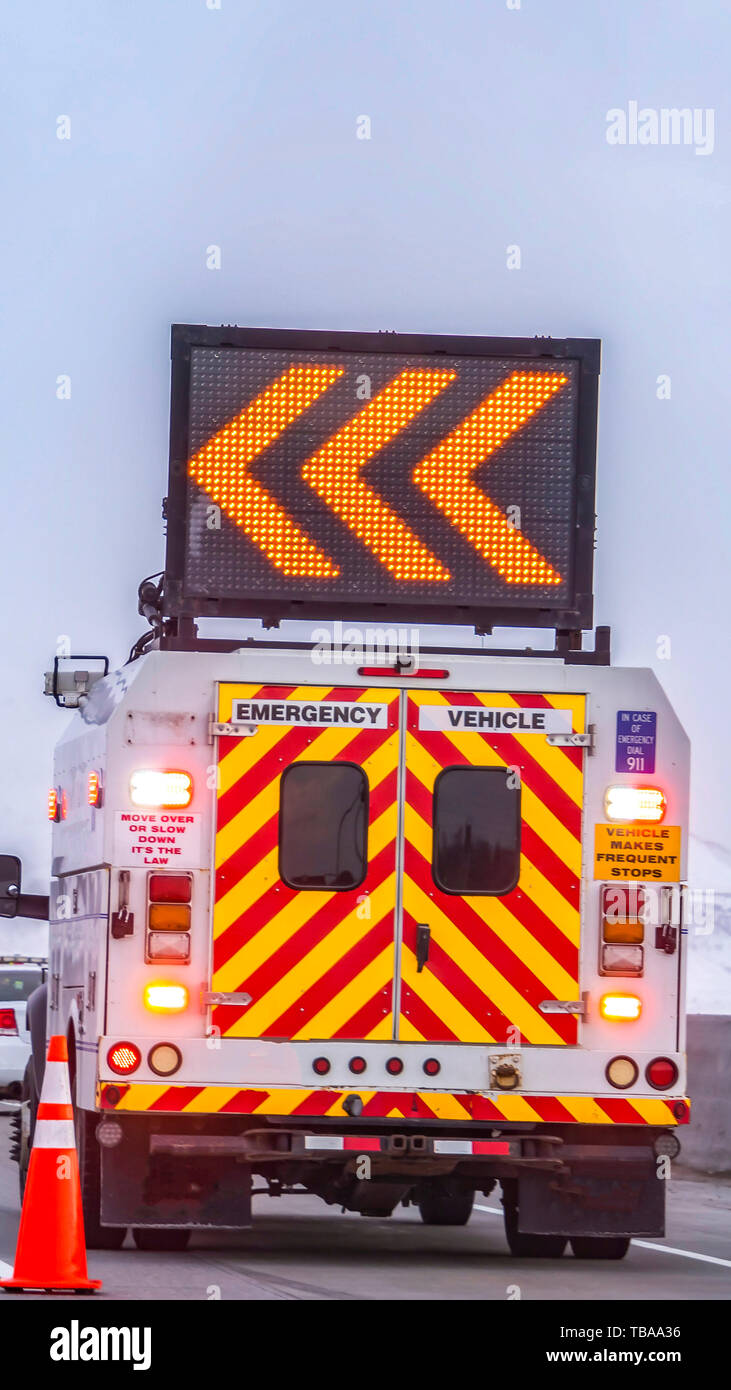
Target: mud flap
584,1205
138,1189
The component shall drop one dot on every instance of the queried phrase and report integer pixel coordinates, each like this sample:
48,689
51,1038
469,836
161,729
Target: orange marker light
53,811
94,790
220,468
634,803
445,475
622,1007
165,789
165,998
334,474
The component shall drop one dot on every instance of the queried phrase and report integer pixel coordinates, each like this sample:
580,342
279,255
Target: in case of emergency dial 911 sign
450,479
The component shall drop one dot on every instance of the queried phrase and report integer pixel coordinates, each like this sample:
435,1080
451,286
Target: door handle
423,937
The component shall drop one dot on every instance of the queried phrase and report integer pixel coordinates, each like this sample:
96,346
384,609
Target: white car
19,976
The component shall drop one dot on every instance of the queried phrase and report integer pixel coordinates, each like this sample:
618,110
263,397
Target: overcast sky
193,126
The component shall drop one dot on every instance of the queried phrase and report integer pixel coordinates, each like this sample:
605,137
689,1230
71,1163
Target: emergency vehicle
385,931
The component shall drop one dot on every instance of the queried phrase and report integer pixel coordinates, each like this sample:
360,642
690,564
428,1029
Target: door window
323,826
476,830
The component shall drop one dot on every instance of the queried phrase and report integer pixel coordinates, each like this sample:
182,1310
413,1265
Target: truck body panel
307,946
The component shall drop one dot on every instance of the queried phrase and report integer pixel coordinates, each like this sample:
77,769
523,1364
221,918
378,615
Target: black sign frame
577,614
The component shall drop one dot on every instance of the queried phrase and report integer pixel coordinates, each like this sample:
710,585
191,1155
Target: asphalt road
301,1249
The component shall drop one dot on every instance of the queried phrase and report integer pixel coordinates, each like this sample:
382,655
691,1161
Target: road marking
648,1245
689,1254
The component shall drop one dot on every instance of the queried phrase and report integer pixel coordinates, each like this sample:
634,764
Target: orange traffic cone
51,1252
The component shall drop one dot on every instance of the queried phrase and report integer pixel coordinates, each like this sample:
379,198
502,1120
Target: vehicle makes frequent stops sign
319,473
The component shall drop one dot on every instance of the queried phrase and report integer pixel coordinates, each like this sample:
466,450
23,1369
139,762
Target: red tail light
8,1023
123,1058
357,1065
432,1067
170,888
321,1066
661,1073
394,1066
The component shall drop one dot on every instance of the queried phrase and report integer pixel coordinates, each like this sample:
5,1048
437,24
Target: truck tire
600,1247
23,1125
160,1238
98,1237
442,1205
527,1246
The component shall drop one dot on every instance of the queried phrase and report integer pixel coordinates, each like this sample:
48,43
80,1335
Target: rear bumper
449,1109
14,1054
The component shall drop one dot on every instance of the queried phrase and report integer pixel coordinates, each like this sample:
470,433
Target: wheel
600,1247
23,1125
445,1206
525,1245
160,1238
97,1237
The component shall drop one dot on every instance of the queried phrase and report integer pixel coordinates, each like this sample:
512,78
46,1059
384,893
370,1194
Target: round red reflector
680,1109
321,1066
357,1065
394,1066
661,1073
123,1058
432,1066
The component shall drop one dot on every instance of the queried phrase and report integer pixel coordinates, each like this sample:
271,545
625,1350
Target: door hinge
566,1006
587,740
217,730
211,997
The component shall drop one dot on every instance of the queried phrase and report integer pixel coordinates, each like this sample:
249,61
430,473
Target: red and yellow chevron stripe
316,964
409,1105
493,960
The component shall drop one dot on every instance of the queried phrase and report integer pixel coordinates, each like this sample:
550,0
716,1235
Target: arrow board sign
381,475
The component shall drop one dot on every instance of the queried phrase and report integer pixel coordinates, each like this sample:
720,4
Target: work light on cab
163,998
620,1007
637,804
161,790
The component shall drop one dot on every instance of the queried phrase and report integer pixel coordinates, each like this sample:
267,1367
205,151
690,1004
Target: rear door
492,867
305,883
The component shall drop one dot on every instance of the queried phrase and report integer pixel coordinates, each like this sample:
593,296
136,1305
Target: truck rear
378,936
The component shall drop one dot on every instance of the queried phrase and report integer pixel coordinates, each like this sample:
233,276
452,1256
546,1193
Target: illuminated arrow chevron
445,476
221,469
333,472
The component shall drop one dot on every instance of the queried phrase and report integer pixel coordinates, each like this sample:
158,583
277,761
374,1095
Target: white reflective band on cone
54,1134
56,1089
